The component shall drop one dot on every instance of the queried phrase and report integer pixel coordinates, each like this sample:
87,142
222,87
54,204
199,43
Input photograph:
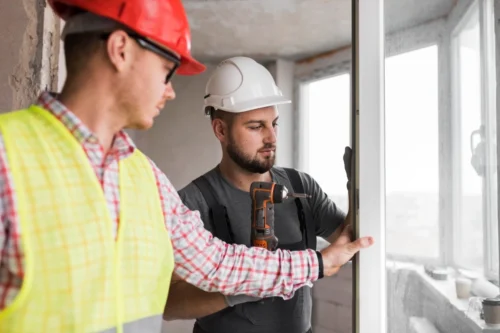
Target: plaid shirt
200,259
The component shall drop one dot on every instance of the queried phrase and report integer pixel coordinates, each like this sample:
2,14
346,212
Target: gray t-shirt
326,216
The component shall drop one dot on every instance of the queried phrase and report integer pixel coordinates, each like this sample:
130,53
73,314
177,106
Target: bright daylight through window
328,131
414,218
412,166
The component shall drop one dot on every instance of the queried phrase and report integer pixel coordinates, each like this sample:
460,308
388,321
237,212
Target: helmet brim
190,66
256,104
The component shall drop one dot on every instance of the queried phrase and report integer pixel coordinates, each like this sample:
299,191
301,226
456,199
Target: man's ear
220,129
120,50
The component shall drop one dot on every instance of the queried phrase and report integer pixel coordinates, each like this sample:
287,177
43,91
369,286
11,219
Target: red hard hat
163,21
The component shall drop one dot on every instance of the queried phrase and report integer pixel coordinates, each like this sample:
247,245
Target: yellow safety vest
78,277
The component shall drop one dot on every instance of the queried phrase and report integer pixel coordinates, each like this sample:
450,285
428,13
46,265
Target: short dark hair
225,116
78,49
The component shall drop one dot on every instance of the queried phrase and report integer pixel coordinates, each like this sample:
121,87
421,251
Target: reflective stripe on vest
78,278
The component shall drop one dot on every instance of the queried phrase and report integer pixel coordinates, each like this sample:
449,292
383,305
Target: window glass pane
469,217
412,169
328,134
441,199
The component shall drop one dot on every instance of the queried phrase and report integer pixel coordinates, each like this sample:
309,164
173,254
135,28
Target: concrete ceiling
291,29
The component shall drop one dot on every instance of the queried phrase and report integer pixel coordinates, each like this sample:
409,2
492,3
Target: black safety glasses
148,45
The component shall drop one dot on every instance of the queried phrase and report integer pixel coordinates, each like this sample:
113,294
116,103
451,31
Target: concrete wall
29,33
12,32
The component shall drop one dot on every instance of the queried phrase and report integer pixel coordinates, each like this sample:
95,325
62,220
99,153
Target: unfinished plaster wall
13,21
29,53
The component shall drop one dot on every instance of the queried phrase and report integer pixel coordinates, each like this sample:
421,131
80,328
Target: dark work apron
270,315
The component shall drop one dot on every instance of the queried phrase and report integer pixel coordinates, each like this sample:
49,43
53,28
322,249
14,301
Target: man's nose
169,93
271,135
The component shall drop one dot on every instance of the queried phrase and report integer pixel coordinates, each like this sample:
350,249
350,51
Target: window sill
445,291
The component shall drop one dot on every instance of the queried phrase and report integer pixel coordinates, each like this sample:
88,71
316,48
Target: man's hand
338,232
342,250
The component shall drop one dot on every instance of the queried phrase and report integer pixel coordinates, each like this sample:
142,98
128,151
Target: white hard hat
241,84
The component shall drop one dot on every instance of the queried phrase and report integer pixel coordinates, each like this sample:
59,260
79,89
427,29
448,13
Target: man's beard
248,163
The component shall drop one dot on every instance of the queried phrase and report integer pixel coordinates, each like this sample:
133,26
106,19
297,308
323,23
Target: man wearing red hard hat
92,231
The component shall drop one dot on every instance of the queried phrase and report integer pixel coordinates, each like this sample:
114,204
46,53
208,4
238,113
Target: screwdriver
298,195
289,195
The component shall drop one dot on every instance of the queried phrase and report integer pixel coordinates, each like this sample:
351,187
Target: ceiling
290,29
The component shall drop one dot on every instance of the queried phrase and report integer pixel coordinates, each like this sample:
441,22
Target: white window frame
488,116
489,105
370,281
496,13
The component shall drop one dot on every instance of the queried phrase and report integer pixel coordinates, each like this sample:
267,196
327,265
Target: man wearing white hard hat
242,101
